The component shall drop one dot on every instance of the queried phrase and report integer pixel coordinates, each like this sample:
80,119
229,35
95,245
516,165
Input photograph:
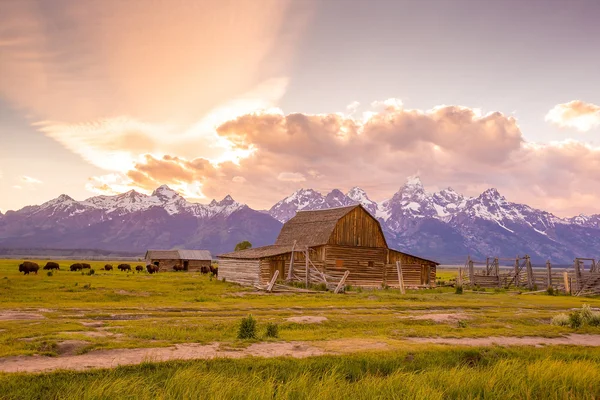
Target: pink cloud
575,114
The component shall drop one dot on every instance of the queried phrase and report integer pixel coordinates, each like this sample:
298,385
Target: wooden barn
336,240
190,260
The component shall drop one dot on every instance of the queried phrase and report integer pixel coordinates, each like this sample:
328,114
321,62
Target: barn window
339,263
371,264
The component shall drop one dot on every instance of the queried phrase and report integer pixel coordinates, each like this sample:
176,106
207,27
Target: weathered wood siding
196,265
366,264
282,263
357,228
244,272
413,274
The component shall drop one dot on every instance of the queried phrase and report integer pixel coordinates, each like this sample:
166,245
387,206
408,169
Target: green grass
142,310
425,373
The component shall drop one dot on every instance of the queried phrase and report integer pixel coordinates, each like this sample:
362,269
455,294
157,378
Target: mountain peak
227,201
164,191
63,197
492,193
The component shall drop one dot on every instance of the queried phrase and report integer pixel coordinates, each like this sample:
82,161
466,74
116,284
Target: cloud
448,145
291,177
575,114
113,80
30,180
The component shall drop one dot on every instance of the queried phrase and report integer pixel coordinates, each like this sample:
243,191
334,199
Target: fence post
400,277
566,280
530,277
517,272
549,274
471,272
460,277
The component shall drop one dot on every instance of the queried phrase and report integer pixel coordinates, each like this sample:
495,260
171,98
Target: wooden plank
566,281
400,277
341,283
273,279
291,269
306,270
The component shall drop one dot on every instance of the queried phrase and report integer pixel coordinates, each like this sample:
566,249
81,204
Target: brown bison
28,267
152,269
214,270
139,268
108,267
177,268
76,267
51,265
124,267
204,270
86,266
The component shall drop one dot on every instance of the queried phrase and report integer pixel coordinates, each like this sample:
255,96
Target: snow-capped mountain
448,225
135,221
443,225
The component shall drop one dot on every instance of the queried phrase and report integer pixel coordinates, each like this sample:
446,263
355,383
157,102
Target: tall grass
437,374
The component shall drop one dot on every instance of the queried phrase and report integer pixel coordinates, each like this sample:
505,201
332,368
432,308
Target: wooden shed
336,240
190,260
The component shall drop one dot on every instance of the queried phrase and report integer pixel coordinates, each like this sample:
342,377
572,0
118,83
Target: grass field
116,310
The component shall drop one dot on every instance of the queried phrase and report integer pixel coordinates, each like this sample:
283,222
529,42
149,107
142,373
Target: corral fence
582,278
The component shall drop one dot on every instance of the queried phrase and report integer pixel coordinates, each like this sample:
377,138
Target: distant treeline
71,254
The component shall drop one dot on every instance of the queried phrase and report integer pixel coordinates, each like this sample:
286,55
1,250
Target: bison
76,267
214,270
51,265
139,268
177,268
86,266
108,267
204,270
28,267
152,269
124,267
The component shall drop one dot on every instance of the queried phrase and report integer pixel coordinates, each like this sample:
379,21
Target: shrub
575,320
458,290
461,323
247,328
589,317
560,320
92,272
87,286
550,291
272,330
49,273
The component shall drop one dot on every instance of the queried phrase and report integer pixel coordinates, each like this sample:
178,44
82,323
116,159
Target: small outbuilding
336,240
190,260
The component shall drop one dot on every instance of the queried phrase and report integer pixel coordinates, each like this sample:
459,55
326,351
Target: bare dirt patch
352,345
19,315
447,317
307,319
572,339
112,358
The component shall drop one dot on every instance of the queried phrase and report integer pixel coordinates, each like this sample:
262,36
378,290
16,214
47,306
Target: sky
260,98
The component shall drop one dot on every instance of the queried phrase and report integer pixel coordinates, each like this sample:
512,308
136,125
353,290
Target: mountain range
445,225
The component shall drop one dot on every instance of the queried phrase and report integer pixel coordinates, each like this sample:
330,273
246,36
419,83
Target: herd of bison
28,266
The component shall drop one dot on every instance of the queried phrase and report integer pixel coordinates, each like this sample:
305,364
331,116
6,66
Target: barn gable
357,228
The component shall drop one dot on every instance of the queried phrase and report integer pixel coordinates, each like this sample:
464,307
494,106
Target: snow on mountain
358,195
445,225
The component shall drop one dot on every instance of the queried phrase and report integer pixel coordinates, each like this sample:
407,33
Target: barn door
277,265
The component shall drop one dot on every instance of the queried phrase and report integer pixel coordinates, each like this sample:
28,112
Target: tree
243,245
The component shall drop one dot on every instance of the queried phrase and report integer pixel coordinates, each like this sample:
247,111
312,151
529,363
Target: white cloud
575,114
28,179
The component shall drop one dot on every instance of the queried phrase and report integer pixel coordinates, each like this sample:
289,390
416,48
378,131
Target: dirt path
191,351
573,339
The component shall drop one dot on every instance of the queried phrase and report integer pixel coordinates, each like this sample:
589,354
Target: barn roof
162,255
178,255
258,252
202,255
311,228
